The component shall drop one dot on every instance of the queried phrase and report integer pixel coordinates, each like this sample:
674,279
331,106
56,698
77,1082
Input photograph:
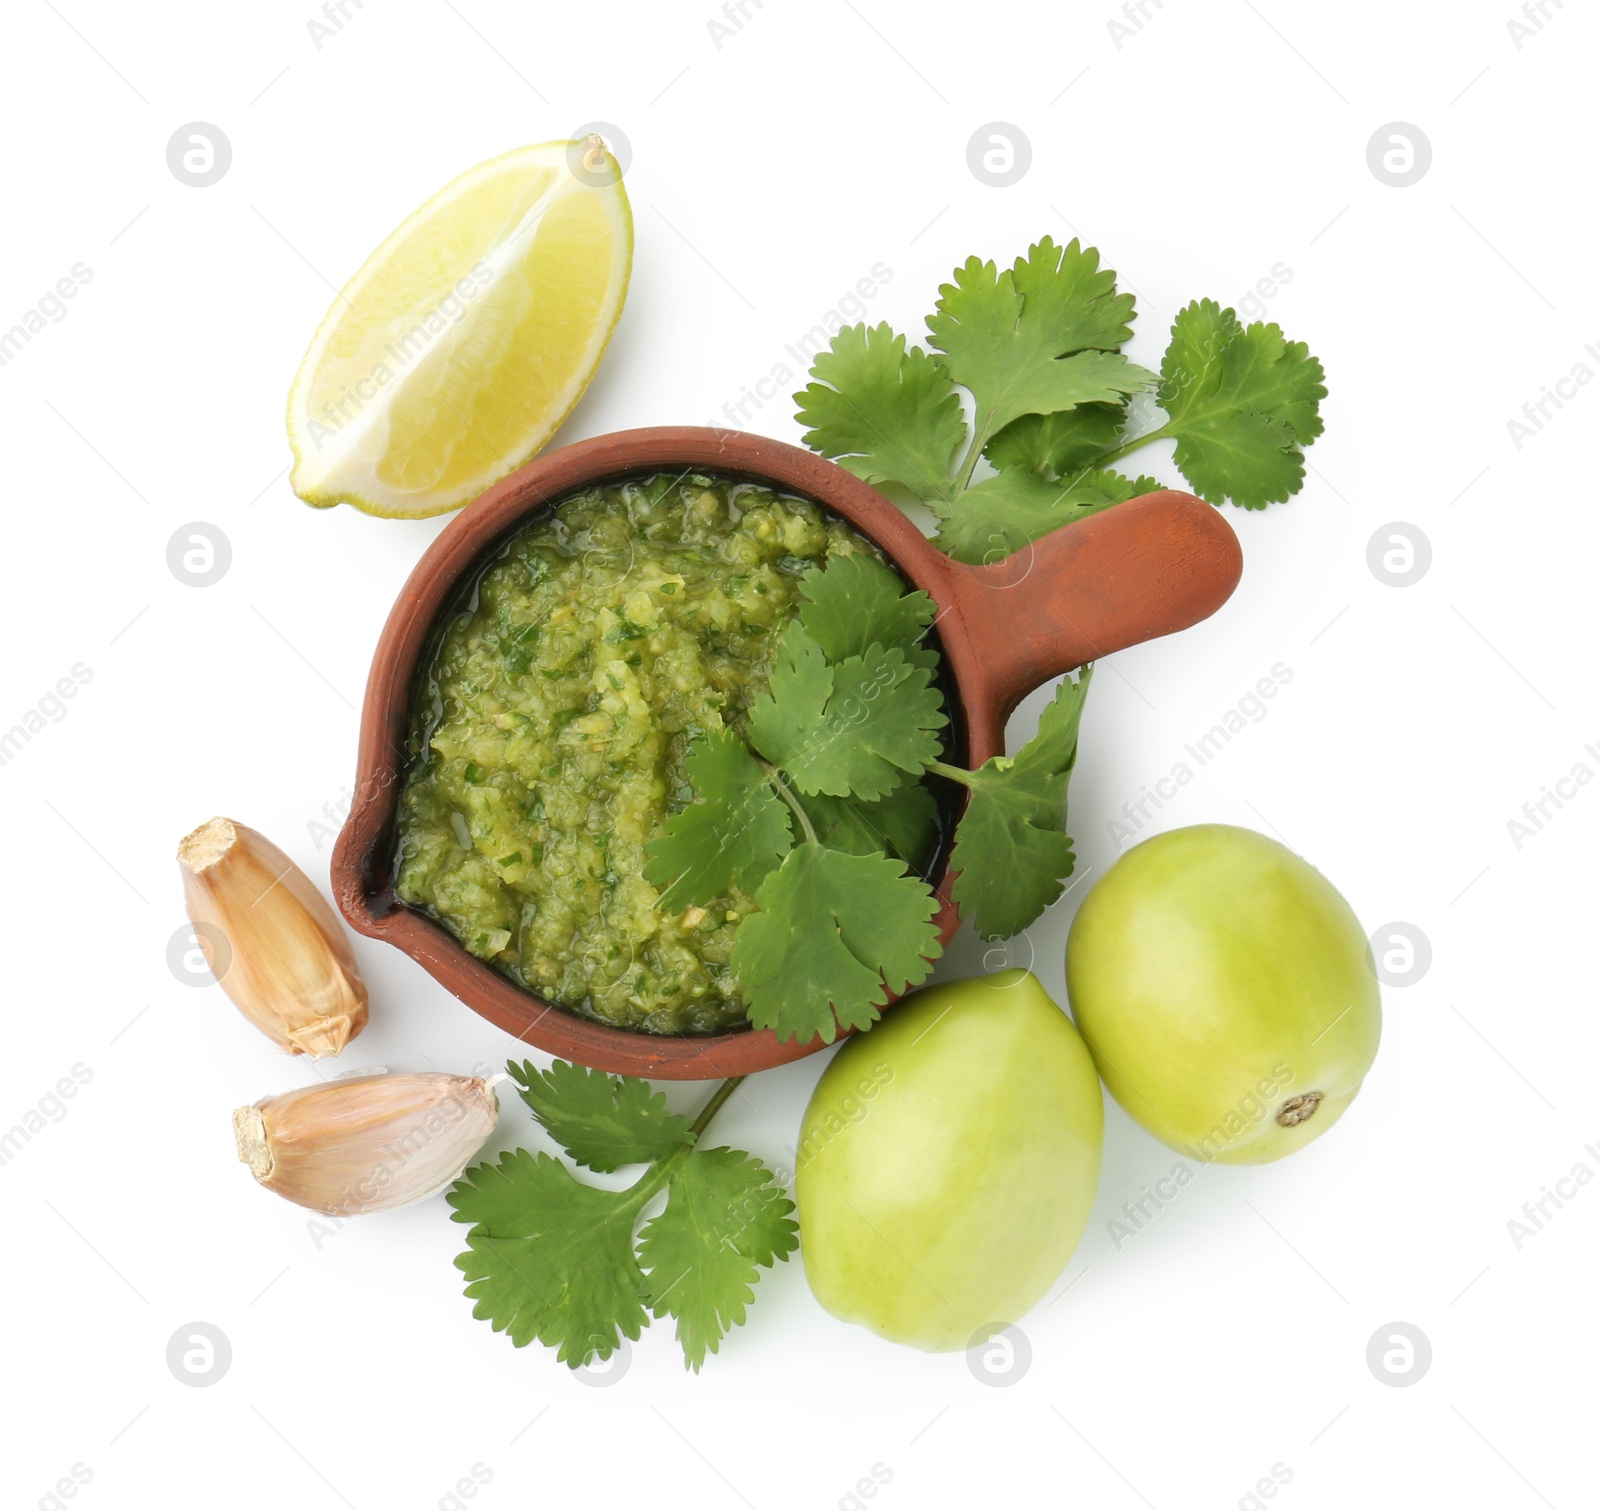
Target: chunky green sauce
552,724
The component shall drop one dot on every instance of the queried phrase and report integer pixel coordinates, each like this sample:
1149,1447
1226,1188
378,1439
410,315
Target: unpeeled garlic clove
368,1143
289,967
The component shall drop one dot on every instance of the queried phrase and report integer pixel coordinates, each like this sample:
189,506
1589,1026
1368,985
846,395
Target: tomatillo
1226,991
948,1162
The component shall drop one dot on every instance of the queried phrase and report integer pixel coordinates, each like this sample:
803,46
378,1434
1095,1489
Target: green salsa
551,727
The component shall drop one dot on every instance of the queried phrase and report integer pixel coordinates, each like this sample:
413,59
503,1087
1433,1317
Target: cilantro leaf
1068,293
856,602
736,830
1058,445
724,1220
885,411
550,1258
903,824
1027,355
602,1121
835,935
1011,850
881,719
1241,401
784,716
1005,512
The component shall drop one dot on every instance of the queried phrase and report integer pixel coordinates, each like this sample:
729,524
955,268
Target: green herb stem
1105,459
980,439
954,773
657,1175
781,787
711,1108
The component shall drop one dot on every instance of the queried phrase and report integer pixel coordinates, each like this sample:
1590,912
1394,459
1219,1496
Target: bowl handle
1132,573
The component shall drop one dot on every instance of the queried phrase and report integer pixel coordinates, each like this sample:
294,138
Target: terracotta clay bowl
1141,570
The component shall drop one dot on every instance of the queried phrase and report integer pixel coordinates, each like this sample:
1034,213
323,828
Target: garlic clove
288,964
369,1143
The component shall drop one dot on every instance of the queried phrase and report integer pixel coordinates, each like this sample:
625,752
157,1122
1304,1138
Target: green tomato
1226,991
948,1162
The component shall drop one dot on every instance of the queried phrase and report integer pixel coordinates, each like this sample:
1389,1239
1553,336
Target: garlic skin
292,971
369,1143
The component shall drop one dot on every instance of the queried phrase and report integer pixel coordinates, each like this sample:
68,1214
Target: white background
768,175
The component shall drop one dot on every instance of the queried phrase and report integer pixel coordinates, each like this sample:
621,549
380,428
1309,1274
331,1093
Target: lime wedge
466,338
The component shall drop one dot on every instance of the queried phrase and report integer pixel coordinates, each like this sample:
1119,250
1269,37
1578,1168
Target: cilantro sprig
552,1258
805,814
1037,347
